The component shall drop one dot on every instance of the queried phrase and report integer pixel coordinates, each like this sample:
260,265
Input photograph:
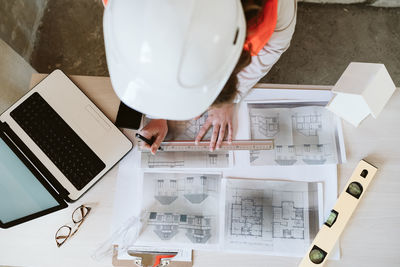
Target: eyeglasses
65,231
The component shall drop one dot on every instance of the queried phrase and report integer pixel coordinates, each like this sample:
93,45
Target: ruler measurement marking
265,144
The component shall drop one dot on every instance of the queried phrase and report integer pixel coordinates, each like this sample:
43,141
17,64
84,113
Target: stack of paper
268,202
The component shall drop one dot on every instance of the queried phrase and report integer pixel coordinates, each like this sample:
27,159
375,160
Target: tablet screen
21,193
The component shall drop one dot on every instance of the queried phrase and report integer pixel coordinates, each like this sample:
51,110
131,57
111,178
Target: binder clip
150,259
144,260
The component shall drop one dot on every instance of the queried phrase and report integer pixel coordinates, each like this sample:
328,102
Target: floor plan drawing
308,124
184,130
161,161
193,187
316,154
198,228
181,207
288,221
197,188
167,225
247,215
272,215
185,160
187,130
166,190
266,125
302,135
285,155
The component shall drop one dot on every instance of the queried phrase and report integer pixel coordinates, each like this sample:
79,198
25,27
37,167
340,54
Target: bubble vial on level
331,218
317,255
355,189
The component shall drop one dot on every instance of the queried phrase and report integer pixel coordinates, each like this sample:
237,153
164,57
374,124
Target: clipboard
149,259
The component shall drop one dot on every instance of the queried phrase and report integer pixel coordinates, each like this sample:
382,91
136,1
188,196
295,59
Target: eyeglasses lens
79,214
62,234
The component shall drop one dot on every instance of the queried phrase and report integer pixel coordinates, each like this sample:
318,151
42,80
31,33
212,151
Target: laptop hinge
16,143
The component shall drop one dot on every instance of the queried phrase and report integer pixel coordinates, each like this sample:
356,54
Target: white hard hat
171,58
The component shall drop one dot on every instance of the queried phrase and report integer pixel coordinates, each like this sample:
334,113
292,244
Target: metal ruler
262,144
346,204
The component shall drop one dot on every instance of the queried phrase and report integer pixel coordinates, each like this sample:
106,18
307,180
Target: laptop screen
21,193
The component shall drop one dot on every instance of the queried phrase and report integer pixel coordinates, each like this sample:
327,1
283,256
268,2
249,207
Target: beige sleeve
269,55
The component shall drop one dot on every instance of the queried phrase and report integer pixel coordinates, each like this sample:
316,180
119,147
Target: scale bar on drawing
264,144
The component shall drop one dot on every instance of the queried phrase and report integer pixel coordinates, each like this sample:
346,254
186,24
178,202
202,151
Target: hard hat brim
153,93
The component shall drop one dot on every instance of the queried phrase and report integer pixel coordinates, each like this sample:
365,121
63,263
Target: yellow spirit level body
347,202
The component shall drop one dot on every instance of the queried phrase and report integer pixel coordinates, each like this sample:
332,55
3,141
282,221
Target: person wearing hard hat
174,60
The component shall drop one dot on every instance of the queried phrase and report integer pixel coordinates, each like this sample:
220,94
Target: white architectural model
363,89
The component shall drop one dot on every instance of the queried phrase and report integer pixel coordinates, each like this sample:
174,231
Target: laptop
55,144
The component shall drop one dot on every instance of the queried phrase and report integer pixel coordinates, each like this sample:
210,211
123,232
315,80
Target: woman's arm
249,76
278,43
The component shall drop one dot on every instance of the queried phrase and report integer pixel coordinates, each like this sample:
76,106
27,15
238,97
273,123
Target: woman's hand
220,118
155,130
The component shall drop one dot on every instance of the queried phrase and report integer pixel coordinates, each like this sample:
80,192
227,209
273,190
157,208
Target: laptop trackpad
92,124
98,118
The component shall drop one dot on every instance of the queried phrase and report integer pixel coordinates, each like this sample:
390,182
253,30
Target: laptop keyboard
58,141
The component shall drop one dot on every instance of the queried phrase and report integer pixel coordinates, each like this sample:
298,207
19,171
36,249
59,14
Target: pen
144,139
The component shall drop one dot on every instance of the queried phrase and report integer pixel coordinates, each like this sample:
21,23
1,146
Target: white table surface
372,237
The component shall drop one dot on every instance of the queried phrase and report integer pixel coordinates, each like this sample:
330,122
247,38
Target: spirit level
347,202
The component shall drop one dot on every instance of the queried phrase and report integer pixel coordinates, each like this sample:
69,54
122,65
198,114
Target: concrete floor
327,39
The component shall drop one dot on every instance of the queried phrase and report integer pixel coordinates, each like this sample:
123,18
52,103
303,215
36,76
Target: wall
15,76
19,21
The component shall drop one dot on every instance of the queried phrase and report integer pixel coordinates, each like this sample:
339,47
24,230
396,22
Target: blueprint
180,207
185,160
272,216
185,130
240,215
302,135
